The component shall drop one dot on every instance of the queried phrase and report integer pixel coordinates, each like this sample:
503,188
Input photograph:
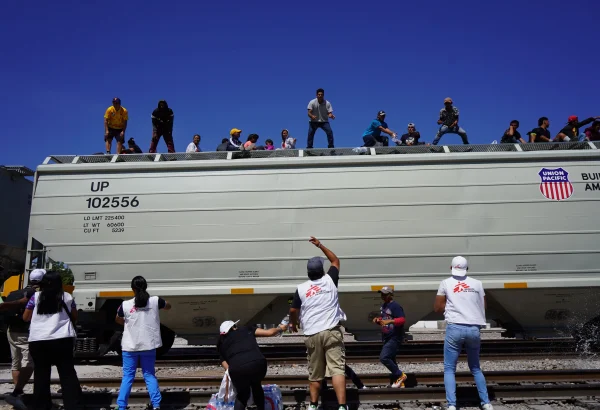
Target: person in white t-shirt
52,313
194,146
462,299
320,314
141,338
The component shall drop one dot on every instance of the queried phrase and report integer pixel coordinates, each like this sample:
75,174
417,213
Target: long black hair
139,286
51,296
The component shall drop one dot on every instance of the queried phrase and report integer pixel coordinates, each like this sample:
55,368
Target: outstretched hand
314,241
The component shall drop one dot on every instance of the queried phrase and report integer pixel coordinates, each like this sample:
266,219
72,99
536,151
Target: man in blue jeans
319,113
462,300
449,122
392,332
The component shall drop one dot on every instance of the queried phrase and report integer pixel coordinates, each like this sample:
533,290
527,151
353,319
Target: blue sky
255,66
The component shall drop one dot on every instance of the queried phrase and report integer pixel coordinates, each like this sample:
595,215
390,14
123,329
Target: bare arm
27,315
225,365
387,131
312,117
294,319
439,306
14,304
106,126
330,255
167,306
270,332
124,125
120,320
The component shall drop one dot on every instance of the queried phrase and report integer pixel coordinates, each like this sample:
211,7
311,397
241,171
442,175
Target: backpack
13,317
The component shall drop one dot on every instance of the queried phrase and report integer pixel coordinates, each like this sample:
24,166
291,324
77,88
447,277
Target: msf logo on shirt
461,287
312,291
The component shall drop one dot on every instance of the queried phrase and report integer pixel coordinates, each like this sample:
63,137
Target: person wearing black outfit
52,313
18,335
570,132
511,135
132,148
541,133
223,145
162,125
240,355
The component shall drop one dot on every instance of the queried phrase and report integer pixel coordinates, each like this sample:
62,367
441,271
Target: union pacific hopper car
225,235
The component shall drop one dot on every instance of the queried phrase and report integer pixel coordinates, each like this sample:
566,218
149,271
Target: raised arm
330,255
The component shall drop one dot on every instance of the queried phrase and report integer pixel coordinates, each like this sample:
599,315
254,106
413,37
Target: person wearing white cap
241,357
462,299
449,122
18,335
392,333
410,138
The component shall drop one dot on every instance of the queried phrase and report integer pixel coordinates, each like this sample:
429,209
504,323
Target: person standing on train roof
462,300
319,113
372,135
141,338
317,300
162,126
115,124
449,122
392,333
240,355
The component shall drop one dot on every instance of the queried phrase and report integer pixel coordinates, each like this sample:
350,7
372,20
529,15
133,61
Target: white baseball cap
36,275
459,266
227,325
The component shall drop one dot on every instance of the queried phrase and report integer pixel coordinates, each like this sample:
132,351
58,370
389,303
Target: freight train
223,235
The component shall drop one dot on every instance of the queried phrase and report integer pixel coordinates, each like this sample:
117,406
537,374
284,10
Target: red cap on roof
572,118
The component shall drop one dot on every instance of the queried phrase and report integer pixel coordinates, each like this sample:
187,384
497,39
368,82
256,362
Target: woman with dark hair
53,314
239,353
141,338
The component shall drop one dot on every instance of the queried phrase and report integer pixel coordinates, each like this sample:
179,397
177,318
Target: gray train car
224,235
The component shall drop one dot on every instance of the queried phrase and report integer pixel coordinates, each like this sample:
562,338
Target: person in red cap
570,132
593,133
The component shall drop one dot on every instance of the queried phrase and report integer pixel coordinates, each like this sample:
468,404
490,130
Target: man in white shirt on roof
194,146
462,300
319,113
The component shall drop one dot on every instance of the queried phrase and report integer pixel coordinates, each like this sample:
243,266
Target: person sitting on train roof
162,125
570,132
511,135
133,148
223,145
410,138
541,133
593,133
194,146
269,145
234,142
372,136
250,143
449,122
115,124
287,142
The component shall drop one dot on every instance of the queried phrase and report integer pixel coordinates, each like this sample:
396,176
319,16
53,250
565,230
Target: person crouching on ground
141,338
392,332
240,355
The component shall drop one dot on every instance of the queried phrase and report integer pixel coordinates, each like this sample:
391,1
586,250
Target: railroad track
367,351
425,387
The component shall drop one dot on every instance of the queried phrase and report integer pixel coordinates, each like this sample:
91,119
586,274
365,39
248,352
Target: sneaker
400,382
312,407
451,408
343,408
487,406
15,401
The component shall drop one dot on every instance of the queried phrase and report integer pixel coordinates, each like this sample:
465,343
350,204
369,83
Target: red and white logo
555,184
312,291
461,287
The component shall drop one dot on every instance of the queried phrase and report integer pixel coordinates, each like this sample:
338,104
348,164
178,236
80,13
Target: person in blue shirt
392,333
372,135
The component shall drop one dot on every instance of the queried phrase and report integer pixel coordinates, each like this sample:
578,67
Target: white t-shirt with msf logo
464,300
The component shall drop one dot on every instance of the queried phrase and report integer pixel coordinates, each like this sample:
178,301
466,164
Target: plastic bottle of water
286,323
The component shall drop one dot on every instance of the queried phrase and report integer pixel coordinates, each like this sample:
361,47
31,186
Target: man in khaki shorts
18,335
320,317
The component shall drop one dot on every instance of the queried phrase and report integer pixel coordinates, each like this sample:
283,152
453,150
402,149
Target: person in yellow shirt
115,124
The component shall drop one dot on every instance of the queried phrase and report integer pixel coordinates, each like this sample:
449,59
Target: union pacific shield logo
555,184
